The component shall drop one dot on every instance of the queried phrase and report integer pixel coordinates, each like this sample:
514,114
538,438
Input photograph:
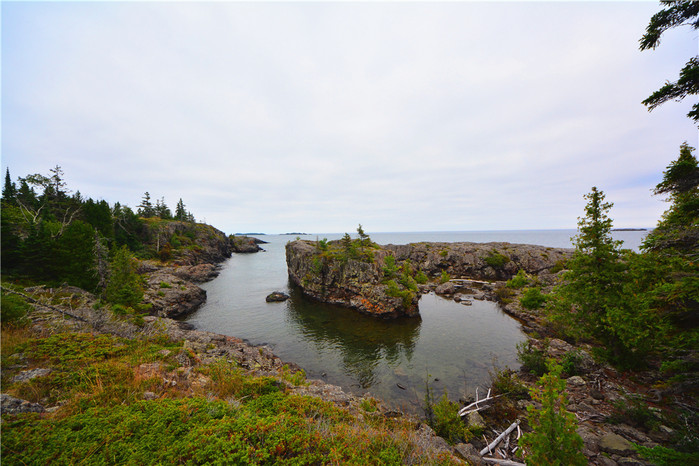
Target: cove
451,346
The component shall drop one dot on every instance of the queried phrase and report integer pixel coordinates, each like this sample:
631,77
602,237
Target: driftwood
48,306
470,408
500,437
503,462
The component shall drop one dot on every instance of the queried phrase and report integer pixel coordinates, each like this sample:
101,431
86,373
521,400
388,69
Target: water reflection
362,342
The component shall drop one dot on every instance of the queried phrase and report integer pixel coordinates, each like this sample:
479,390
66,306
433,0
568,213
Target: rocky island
386,281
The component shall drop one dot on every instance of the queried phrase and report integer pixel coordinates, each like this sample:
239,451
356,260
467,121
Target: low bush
532,298
496,260
533,359
519,280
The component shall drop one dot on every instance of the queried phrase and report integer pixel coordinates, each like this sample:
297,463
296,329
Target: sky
318,116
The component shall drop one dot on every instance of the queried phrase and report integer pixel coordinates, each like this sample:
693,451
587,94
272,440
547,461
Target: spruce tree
145,208
9,189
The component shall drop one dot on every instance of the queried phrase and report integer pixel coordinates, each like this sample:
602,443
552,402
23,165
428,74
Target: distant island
296,233
629,229
250,234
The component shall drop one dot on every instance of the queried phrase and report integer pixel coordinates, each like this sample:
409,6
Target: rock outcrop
363,281
482,261
245,244
355,282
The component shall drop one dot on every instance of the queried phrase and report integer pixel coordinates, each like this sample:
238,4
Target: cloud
318,116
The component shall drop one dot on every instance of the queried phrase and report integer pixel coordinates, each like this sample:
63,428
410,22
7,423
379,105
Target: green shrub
496,260
421,278
519,280
446,420
533,360
506,382
445,277
553,440
571,363
532,298
165,285
389,269
635,412
663,456
13,309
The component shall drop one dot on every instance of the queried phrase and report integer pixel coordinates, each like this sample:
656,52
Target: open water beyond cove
451,345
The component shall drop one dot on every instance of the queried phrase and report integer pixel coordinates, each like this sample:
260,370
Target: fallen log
502,462
47,306
499,438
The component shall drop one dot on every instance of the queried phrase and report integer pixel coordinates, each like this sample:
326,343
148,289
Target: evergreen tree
124,285
145,208
677,233
677,13
162,210
553,440
9,189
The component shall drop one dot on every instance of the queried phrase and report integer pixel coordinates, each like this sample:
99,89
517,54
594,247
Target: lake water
451,345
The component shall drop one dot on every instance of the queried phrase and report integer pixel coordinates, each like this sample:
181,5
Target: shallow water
451,345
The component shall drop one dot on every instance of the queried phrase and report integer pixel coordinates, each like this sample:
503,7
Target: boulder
11,405
616,445
276,296
30,374
447,288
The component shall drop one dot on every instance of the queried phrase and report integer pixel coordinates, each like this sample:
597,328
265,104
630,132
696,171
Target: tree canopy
676,13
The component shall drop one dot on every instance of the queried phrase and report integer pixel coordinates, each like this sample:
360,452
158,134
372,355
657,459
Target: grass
213,413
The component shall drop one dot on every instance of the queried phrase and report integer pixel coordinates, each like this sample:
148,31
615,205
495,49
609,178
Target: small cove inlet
451,346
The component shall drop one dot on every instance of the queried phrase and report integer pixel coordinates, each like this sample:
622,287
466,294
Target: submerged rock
276,296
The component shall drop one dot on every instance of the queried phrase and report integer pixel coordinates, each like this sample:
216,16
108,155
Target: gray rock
474,419
605,461
30,374
276,296
149,396
576,381
616,444
469,453
447,288
428,437
11,405
629,462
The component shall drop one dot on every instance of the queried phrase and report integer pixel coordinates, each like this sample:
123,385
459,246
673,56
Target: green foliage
496,260
553,440
165,285
663,456
519,280
532,358
124,285
446,421
677,13
506,382
532,298
572,362
13,309
390,270
396,291
444,277
635,412
421,278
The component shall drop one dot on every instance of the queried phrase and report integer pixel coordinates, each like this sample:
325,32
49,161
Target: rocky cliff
194,252
355,279
383,280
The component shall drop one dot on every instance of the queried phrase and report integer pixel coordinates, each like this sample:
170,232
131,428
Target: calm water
451,344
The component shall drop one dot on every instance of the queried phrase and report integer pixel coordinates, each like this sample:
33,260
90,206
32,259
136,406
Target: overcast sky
315,117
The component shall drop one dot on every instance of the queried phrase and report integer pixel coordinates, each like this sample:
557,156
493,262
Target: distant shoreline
629,229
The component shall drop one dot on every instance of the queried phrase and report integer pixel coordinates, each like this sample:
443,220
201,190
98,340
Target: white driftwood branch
470,408
502,462
499,438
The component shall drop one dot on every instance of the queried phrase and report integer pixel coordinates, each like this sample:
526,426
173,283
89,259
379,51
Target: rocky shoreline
594,393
